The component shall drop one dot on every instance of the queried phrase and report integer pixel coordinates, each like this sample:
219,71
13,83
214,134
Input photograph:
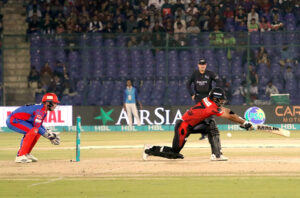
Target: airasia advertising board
62,116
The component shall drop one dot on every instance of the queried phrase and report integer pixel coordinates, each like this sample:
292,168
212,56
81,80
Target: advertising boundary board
150,128
168,115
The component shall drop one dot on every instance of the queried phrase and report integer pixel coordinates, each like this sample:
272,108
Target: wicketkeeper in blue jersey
28,120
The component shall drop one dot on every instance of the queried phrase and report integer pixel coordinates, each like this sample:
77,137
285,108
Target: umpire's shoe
221,158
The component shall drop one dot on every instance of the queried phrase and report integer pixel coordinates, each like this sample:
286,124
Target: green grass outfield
154,187
211,186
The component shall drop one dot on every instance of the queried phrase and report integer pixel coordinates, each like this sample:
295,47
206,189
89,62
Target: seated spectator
83,24
226,87
180,34
264,60
169,26
288,74
242,27
177,5
276,24
60,69
119,25
252,15
271,89
228,13
166,9
179,20
180,13
59,19
48,27
240,16
264,5
34,25
192,10
216,21
253,77
216,37
146,26
193,28
34,9
132,41
253,26
56,86
287,56
204,20
131,24
158,41
264,25
253,90
95,25
108,28
46,75
217,10
33,78
229,39
157,27
260,53
241,91
60,28
156,3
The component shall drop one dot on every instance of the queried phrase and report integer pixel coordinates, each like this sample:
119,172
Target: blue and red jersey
33,114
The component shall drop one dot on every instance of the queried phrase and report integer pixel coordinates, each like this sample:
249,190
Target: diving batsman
195,117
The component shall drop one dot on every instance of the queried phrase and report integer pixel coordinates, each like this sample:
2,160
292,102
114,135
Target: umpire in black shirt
202,84
202,81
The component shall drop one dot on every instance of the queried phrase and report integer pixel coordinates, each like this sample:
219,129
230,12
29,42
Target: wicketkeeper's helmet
217,95
50,97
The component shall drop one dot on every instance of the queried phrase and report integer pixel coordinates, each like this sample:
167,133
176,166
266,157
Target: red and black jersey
202,110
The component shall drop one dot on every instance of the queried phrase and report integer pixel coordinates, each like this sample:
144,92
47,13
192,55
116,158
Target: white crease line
197,146
187,146
47,182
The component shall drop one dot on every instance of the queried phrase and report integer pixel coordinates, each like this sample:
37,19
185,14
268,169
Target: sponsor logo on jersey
200,82
207,103
38,119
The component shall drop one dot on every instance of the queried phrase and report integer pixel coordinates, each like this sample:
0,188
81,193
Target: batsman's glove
52,136
247,125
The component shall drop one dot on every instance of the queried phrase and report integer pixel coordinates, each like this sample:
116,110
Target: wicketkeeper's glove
52,136
247,125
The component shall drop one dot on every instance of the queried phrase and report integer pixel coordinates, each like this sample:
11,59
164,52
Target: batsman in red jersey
195,116
28,120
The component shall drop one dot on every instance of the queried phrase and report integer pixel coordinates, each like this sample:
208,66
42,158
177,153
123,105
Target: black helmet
217,94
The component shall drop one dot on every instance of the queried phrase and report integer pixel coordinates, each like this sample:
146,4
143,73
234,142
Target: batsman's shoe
22,159
203,137
221,158
145,155
34,159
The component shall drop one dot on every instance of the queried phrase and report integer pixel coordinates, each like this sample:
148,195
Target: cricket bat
271,129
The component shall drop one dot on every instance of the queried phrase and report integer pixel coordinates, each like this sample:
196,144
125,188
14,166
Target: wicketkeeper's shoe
145,155
221,158
34,159
22,159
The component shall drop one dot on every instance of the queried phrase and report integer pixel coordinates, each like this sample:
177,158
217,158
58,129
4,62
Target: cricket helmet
50,97
217,95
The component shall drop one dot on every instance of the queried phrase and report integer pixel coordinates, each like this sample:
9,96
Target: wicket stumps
78,125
